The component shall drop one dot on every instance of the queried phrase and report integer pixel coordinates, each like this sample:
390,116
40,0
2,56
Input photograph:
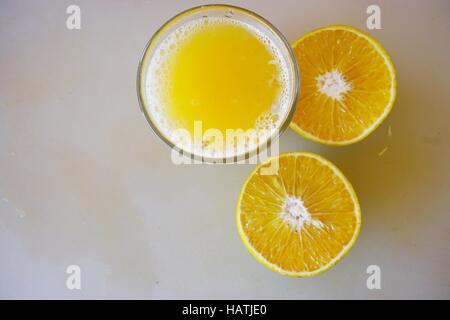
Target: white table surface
84,181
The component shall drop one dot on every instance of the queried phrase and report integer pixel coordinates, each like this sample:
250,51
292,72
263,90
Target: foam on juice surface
158,86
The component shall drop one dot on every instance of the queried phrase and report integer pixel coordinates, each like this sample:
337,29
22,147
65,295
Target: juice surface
223,74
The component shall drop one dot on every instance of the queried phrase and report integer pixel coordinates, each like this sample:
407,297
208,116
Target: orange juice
221,73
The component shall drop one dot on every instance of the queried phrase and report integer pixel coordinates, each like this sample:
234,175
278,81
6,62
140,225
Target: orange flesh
363,68
326,197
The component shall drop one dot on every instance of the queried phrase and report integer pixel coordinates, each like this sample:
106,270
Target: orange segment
347,85
303,219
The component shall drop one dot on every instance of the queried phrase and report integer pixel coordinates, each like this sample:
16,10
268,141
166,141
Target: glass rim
236,157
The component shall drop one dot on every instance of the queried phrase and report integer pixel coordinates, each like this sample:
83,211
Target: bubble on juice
267,121
158,88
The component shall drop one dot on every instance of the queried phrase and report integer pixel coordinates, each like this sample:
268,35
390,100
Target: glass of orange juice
218,82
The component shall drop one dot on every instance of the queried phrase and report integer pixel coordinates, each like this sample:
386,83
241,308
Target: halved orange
301,220
348,85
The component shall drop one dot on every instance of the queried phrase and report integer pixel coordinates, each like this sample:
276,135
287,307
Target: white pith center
295,214
333,84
